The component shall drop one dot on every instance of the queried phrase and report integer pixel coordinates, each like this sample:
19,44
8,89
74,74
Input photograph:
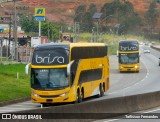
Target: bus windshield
129,58
49,79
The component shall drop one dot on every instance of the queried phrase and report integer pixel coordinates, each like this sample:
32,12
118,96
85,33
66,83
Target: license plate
49,100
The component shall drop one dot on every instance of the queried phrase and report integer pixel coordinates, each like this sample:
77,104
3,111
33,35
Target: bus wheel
101,91
79,97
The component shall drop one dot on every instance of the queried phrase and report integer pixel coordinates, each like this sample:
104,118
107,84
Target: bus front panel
129,62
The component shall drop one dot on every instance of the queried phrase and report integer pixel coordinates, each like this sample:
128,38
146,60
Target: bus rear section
90,71
69,72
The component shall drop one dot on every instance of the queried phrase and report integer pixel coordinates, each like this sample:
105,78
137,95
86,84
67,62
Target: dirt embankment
63,10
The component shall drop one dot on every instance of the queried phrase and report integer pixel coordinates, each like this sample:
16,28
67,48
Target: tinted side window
90,75
88,52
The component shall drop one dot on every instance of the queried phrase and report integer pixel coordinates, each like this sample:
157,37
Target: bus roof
67,45
129,40
86,44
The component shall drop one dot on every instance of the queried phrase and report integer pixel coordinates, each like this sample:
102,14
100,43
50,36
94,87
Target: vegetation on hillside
151,16
126,20
118,17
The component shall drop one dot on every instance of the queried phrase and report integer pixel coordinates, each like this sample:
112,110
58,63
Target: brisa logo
128,48
49,60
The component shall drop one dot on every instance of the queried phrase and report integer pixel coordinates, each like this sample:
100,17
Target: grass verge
11,87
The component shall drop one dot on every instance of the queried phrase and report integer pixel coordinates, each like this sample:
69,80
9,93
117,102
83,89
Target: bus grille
53,96
128,67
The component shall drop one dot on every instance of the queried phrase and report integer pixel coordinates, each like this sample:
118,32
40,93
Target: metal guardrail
105,108
155,47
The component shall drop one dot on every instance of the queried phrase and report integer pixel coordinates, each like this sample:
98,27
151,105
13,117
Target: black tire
79,97
101,91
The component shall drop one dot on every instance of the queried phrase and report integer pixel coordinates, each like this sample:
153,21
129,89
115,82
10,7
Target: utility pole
39,28
15,30
75,32
97,34
97,17
93,35
48,32
9,33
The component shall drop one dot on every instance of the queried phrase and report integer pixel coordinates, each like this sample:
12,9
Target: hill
63,10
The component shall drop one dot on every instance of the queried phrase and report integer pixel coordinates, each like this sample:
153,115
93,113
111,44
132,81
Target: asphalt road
150,83
122,84
153,113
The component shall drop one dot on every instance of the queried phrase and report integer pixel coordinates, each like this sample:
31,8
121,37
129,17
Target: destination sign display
128,46
50,57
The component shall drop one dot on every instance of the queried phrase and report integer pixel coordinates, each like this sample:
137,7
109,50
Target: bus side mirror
27,69
69,68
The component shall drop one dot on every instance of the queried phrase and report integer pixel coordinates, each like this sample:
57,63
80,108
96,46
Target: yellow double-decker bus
128,56
68,72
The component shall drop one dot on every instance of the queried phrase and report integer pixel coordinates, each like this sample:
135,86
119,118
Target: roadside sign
39,12
39,18
1,30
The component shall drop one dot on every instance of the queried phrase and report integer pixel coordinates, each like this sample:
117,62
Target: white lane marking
21,105
9,110
111,120
152,111
14,108
155,57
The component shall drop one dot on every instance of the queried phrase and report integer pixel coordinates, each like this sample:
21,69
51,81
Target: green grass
11,87
110,39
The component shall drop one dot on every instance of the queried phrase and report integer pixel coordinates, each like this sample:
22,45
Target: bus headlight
33,93
36,95
121,67
136,66
63,94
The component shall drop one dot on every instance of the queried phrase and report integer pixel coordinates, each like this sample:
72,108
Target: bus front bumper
129,69
51,99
